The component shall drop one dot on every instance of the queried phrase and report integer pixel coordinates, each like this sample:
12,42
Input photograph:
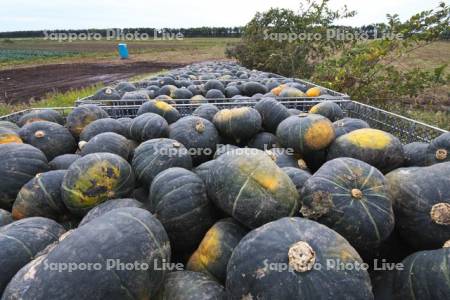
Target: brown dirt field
22,84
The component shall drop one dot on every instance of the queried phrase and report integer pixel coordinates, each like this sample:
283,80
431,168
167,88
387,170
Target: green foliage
9,55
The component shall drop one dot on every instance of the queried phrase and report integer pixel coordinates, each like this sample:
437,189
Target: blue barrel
123,51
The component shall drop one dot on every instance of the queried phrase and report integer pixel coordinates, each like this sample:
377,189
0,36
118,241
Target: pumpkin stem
81,144
176,145
302,164
446,244
39,134
357,194
441,154
200,127
108,91
301,257
440,213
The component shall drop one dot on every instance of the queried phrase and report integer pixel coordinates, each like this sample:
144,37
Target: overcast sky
65,14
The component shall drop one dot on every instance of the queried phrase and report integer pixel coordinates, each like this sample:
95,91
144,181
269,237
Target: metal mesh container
407,130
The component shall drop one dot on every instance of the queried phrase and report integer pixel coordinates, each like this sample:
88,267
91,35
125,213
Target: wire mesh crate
407,130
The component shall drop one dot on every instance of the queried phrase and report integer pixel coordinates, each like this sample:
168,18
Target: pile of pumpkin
253,202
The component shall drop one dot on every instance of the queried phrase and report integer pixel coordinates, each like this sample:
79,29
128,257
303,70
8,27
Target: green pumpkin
108,206
94,179
63,162
108,142
238,124
9,125
51,138
306,133
178,199
295,258
19,163
206,111
248,185
438,150
82,116
272,113
415,154
161,108
187,285
101,126
375,147
298,176
49,115
352,198
5,217
329,109
154,156
214,251
422,204
41,197
347,125
148,126
263,141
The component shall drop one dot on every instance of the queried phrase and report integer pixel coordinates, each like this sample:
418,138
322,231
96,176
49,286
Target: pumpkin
221,149
198,135
5,217
198,99
148,126
155,156
214,94
206,111
94,179
49,115
21,241
352,198
108,142
108,206
277,90
238,124
51,138
63,162
252,88
424,275
313,92
19,163
306,133
231,91
328,109
41,197
187,285
291,92
347,125
298,176
9,136
294,111
214,251
106,93
126,123
415,154
272,113
9,125
250,187
203,169
295,258
161,108
422,204
214,84
438,150
263,141
167,90
119,238
135,96
101,126
286,158
375,147
123,87
82,116
178,199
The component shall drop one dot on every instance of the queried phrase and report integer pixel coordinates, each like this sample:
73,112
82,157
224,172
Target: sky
73,14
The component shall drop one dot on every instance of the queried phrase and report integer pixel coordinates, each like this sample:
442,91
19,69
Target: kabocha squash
198,99
178,199
155,156
313,92
9,125
252,88
214,94
214,251
422,204
250,187
272,113
352,198
148,126
187,285
328,109
51,138
161,108
375,147
21,241
286,158
108,142
294,111
439,149
19,163
9,136
277,90
221,149
238,124
108,206
203,170
63,162
126,123
424,275
94,179
214,85
101,126
291,92
106,93
415,154
295,258
5,217
49,115
263,141
298,177
347,125
306,133
123,87
41,197
82,116
122,237
206,111
198,135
